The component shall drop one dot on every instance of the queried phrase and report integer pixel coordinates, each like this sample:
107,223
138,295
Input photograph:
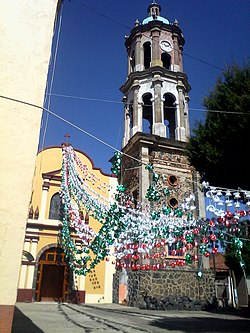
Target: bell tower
155,97
156,90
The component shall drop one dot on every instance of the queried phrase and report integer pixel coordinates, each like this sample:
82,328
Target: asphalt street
53,318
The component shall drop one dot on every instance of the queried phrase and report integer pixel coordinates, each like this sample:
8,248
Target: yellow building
45,274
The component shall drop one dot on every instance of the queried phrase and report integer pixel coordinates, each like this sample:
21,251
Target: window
55,207
172,180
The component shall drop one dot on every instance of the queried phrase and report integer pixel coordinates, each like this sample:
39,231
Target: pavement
90,318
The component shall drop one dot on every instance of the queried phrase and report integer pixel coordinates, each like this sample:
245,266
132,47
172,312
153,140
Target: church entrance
52,277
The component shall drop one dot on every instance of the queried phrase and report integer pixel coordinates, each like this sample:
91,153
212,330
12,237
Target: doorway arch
53,278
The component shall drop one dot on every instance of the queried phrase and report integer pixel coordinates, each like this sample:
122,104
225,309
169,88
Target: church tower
156,120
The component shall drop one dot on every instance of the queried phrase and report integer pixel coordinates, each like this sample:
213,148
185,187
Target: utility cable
169,107
85,132
71,124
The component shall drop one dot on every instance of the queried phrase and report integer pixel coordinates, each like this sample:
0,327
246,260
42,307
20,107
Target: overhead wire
87,133
69,123
119,102
94,99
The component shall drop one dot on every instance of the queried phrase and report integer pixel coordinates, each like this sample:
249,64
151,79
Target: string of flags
142,237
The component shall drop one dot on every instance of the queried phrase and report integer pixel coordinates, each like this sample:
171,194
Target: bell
228,193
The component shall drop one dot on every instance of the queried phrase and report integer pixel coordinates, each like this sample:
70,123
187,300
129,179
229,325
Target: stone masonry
170,282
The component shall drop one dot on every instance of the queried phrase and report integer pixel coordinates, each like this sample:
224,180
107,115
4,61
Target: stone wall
169,282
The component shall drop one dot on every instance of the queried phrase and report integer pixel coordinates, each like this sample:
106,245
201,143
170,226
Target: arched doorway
53,276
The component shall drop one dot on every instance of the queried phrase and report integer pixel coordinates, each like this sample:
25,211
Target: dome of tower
157,18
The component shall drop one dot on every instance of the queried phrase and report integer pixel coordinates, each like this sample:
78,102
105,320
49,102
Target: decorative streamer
140,239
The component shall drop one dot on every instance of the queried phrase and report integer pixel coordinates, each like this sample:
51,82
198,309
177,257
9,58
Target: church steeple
156,89
156,124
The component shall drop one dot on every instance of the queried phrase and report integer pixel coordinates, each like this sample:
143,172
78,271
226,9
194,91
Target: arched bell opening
132,61
169,115
166,60
147,114
131,115
147,54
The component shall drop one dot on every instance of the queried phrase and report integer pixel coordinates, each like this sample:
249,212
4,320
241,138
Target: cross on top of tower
66,143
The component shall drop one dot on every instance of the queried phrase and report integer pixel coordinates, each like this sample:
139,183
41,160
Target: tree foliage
219,147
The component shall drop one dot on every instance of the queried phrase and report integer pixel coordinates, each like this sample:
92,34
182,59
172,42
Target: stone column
31,268
136,120
44,199
158,120
156,60
180,59
180,126
126,135
138,63
186,117
129,57
175,60
23,269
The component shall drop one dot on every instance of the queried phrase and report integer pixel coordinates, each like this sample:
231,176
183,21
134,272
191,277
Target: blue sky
91,64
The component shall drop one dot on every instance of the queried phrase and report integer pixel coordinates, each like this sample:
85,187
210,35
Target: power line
71,124
119,102
82,130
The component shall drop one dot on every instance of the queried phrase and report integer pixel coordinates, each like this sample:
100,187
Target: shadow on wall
22,324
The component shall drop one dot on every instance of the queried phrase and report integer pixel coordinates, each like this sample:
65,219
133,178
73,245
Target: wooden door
52,276
52,283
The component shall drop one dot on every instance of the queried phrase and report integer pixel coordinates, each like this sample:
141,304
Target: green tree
219,147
